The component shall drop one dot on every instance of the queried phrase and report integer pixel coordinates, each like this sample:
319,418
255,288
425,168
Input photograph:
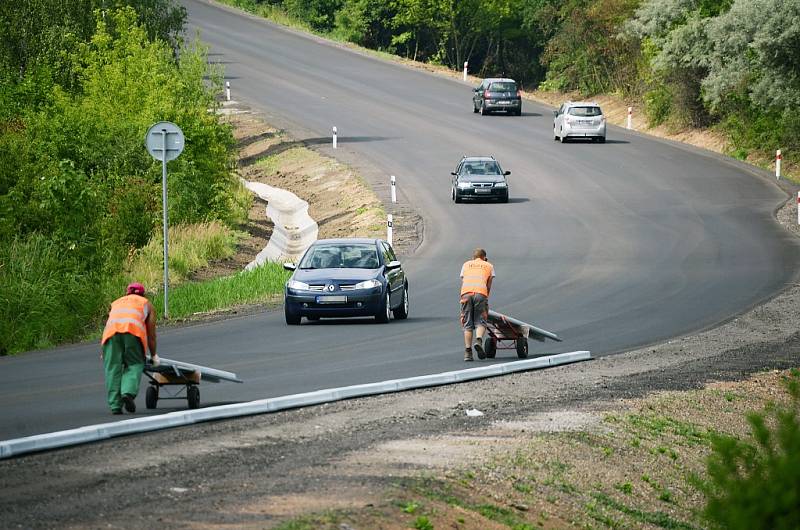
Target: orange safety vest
128,315
476,276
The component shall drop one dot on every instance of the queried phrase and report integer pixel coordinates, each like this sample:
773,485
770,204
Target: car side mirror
453,173
289,266
394,264
506,173
555,113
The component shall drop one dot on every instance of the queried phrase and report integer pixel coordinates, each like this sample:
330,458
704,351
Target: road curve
611,246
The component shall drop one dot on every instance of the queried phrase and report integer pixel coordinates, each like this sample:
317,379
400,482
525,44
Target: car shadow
589,141
514,200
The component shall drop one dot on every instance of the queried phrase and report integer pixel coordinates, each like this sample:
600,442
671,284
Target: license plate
483,190
331,299
504,102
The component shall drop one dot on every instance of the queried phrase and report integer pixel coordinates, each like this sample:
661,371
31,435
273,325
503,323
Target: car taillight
486,94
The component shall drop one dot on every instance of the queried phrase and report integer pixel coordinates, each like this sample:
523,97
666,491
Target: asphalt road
611,246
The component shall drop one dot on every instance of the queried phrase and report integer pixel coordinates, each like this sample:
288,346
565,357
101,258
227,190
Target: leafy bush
756,483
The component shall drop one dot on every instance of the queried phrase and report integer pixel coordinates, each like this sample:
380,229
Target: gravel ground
259,471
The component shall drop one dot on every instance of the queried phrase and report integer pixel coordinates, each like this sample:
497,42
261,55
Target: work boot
467,354
479,349
127,401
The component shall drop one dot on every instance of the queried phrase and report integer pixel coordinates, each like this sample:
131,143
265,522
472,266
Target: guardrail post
630,117
335,132
228,90
394,192
389,228
778,158
465,70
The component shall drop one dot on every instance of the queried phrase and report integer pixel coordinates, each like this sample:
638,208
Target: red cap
136,288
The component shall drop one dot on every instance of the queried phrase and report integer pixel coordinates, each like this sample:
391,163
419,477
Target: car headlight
297,286
464,185
368,284
500,185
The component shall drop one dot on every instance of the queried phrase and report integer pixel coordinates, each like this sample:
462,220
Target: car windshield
481,167
503,87
346,256
585,111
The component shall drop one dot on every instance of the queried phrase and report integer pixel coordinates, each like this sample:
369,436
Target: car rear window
585,111
503,87
353,256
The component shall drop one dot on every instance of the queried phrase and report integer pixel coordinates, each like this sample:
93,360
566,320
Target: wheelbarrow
180,380
506,333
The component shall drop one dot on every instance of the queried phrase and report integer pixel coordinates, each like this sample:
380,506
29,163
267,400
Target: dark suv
479,177
496,93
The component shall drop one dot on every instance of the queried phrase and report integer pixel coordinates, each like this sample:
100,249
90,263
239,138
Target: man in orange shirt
129,332
476,283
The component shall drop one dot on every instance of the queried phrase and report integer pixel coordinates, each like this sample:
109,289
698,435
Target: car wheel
385,312
401,313
602,139
474,108
456,198
483,110
562,137
522,348
504,199
291,318
490,347
518,112
555,136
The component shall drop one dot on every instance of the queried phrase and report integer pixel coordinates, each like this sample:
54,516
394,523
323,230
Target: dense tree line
733,64
80,83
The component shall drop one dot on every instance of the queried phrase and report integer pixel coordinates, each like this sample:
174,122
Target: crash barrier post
394,192
335,133
778,158
228,90
465,70
630,117
389,228
294,229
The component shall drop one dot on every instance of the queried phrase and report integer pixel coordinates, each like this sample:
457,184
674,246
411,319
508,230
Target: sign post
164,141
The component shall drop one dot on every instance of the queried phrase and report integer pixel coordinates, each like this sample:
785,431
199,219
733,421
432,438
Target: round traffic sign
164,140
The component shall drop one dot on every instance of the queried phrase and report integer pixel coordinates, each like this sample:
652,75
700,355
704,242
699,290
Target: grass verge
247,287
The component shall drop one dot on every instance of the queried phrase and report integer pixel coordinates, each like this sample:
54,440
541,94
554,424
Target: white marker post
228,90
465,70
393,188
630,117
389,228
335,132
778,158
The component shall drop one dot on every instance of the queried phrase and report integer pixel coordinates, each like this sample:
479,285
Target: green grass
658,519
191,247
247,287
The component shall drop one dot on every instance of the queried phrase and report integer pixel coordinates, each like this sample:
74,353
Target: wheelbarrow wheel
490,347
522,348
193,396
151,397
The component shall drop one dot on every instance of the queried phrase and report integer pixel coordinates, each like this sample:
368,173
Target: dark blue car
346,278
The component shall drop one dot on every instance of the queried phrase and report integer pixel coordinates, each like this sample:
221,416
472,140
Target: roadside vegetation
726,456
80,197
729,65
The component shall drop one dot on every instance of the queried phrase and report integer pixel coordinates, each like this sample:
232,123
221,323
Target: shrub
756,483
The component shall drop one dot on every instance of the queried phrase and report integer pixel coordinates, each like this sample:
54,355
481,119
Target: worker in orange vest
129,332
476,283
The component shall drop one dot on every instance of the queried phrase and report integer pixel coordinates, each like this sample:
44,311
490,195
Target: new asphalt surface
611,246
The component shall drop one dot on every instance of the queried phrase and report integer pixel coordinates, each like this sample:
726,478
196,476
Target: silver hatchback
579,120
